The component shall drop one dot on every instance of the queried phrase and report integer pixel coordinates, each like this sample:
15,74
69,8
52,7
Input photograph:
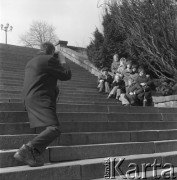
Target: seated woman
126,72
122,66
132,92
104,81
134,72
144,81
115,64
118,86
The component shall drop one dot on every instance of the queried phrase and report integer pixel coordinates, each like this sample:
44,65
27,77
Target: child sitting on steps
104,81
118,86
132,92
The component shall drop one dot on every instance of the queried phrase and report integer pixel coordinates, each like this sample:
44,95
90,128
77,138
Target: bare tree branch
38,33
151,26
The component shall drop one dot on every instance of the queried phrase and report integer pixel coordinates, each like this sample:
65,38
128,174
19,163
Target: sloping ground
93,128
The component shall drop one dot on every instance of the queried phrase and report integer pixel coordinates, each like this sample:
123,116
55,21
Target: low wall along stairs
93,127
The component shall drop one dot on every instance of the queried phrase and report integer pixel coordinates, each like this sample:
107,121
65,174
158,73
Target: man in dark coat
145,82
132,92
39,93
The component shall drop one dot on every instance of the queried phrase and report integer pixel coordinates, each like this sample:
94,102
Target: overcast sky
75,20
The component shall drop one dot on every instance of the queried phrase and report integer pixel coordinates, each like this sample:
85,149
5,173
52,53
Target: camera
55,55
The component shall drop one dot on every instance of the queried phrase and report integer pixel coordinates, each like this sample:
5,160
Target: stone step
13,70
7,77
15,55
93,108
65,153
19,65
73,80
75,70
11,64
65,98
18,60
22,60
9,100
68,97
81,152
69,83
83,169
62,96
69,92
76,80
2,100
63,88
18,128
84,138
21,79
99,126
11,49
21,116
12,88
20,69
79,77
17,72
10,60
15,61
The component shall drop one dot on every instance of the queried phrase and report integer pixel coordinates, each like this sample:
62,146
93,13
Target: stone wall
80,59
165,101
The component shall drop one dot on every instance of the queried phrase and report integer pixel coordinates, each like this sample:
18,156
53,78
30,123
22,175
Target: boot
29,156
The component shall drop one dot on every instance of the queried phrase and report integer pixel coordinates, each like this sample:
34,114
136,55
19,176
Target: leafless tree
151,29
38,33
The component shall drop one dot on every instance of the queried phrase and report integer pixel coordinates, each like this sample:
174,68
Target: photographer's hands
60,57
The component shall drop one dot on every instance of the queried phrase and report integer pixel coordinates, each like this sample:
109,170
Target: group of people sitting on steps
127,83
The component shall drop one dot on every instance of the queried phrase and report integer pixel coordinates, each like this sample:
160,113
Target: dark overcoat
134,88
39,92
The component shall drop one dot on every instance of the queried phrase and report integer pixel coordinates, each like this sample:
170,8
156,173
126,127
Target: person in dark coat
132,92
145,82
39,94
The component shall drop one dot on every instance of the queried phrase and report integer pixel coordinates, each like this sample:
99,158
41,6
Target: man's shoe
26,154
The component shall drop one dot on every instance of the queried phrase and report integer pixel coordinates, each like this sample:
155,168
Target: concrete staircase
93,128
